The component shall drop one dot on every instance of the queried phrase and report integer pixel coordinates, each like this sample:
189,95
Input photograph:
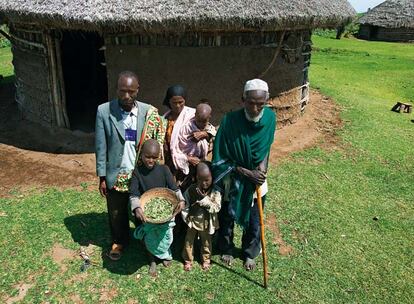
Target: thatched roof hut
67,54
392,20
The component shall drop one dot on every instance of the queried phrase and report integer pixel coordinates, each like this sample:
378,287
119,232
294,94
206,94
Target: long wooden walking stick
262,235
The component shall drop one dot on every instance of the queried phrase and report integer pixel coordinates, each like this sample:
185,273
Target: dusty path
319,124
24,169
32,156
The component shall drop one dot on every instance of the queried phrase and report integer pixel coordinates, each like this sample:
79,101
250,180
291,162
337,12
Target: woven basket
159,192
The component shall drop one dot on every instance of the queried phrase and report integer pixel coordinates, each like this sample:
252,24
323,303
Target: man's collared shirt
129,120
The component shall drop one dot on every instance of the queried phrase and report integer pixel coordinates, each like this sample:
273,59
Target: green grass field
348,213
6,66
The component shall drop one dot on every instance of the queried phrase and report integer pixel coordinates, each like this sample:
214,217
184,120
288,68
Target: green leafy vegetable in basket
158,209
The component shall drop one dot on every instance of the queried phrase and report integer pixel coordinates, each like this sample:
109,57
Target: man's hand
179,208
263,165
102,186
193,160
257,177
139,214
199,135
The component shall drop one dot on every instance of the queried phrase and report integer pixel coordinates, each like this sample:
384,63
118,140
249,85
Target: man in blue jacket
121,127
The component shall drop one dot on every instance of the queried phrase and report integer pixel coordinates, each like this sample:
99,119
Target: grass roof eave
391,14
177,15
179,26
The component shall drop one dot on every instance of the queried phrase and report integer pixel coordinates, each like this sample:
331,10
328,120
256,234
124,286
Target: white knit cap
256,84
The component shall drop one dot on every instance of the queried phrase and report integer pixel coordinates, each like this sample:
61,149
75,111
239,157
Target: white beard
253,119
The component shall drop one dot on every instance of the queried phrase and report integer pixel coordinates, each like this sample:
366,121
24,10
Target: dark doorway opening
84,72
373,35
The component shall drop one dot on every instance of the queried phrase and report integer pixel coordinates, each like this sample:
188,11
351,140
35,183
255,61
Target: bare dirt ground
272,223
32,156
317,126
60,254
22,288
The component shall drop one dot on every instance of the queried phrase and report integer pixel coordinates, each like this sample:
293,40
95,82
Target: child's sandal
188,266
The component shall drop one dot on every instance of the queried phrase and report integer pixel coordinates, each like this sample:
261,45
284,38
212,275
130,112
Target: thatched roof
179,15
391,14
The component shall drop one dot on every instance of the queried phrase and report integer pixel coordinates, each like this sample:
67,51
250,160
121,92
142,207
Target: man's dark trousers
251,236
118,211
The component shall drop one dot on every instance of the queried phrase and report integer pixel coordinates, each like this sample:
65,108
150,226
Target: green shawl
240,142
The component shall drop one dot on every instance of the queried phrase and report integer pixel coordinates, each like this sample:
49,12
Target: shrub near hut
4,42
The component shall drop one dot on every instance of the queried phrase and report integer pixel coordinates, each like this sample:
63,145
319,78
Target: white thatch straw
173,15
391,14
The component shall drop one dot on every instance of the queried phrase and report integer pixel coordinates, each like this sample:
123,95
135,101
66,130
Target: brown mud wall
369,32
214,73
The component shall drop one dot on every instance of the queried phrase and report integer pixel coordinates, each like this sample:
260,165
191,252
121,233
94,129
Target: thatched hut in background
392,20
67,54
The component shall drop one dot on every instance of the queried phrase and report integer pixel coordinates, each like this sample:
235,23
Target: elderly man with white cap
240,158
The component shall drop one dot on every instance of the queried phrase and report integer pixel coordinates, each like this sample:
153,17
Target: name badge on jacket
130,135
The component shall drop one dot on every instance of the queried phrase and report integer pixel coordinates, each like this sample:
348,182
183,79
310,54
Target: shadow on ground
92,228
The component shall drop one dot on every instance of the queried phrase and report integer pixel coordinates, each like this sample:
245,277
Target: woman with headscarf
177,117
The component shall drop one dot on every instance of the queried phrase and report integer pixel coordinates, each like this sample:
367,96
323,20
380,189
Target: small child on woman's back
202,206
194,143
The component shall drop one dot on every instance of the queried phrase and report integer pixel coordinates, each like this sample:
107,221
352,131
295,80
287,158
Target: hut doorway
85,78
373,33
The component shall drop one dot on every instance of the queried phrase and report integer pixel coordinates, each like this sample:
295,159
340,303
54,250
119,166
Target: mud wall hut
67,54
392,20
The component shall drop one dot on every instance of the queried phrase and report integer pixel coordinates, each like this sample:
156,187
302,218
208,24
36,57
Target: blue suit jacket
110,138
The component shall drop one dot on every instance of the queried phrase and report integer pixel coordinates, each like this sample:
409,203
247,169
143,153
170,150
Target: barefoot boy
149,174
202,205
